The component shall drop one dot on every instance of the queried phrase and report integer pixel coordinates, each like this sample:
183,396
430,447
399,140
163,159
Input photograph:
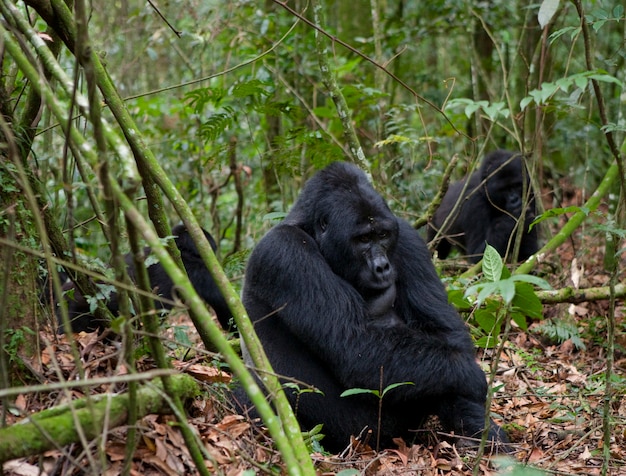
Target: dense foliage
235,102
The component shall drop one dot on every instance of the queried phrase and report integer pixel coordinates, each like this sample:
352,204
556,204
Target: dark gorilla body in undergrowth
488,210
342,289
82,319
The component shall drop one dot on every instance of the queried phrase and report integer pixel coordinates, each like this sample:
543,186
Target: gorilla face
371,245
358,239
504,183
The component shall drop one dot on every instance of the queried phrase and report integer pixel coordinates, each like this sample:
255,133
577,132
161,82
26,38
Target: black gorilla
79,311
488,210
343,290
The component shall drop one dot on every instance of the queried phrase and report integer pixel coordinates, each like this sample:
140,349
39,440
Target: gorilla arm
327,316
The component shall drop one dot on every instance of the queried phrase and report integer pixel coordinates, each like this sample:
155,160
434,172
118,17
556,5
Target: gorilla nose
382,269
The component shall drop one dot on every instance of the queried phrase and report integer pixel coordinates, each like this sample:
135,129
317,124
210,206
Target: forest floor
550,397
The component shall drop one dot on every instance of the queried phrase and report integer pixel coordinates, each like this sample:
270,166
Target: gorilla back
81,318
343,292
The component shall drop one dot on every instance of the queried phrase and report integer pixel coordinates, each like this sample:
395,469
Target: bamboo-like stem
330,81
286,431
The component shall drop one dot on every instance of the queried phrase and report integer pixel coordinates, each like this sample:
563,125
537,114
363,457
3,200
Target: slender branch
574,296
357,52
599,96
573,223
178,33
436,201
329,79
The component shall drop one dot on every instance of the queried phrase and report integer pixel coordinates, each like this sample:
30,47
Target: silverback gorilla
82,319
488,212
342,291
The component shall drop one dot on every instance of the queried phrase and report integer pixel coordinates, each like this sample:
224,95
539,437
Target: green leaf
274,216
611,229
494,110
486,320
487,342
528,278
216,124
546,12
555,212
525,102
457,299
492,264
394,385
527,302
395,139
348,472
507,290
359,391
572,30
520,319
254,87
489,289
181,335
605,78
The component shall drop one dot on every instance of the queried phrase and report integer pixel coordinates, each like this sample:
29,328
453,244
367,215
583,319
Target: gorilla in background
342,291
488,211
161,284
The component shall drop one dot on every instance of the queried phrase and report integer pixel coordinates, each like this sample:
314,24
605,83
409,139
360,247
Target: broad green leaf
488,289
457,299
520,319
529,278
527,302
581,81
546,11
605,78
507,290
525,102
471,109
487,342
486,319
492,264
495,109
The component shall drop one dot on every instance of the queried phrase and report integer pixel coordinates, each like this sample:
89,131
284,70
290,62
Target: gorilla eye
365,238
383,234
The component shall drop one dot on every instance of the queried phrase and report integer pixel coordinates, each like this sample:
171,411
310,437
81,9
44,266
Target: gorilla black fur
342,290
78,308
488,210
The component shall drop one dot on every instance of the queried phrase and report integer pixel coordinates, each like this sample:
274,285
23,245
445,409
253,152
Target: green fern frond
254,87
199,98
216,124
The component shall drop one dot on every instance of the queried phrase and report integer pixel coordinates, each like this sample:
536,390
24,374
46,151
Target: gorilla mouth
372,288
